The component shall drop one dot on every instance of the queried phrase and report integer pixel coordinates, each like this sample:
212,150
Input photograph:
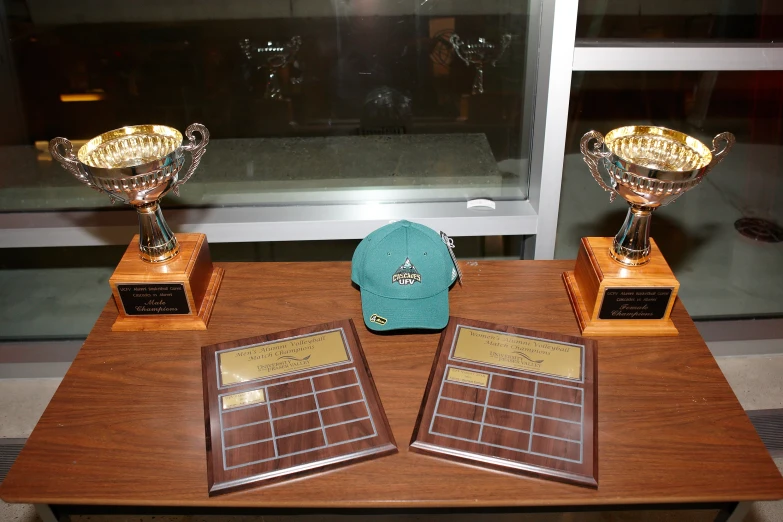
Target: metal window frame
268,223
623,55
556,50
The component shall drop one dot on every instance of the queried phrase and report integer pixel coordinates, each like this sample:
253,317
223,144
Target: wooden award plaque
176,295
511,399
611,299
289,403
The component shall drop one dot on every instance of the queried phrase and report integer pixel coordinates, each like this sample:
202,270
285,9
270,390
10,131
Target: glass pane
713,20
723,238
58,293
307,101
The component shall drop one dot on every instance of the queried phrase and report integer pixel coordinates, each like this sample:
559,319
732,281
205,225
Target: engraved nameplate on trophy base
611,299
289,403
178,294
512,399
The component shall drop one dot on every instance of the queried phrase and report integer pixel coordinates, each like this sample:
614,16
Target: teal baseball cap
404,271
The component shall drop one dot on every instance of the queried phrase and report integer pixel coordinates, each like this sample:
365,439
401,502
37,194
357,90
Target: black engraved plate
154,299
635,303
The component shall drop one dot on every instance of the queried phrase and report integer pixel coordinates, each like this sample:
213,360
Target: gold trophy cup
623,286
162,282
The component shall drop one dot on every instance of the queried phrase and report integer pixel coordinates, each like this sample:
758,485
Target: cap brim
431,313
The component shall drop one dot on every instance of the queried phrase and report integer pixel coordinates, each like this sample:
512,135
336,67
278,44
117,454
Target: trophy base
610,299
177,295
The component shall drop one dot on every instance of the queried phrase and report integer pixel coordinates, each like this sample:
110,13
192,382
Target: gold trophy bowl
161,282
137,165
649,167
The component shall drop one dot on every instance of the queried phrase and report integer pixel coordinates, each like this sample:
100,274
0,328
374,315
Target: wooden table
126,426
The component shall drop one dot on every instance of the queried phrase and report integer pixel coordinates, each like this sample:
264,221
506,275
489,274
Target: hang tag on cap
450,245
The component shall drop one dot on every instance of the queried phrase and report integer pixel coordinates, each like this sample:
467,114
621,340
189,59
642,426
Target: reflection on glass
715,20
479,53
724,240
272,56
307,101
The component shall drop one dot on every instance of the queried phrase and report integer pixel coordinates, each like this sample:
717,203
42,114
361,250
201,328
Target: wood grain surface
126,425
308,419
510,421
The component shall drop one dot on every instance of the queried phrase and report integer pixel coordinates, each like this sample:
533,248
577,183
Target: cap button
405,223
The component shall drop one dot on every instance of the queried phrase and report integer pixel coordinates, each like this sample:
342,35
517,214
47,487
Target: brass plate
243,399
467,377
252,363
517,352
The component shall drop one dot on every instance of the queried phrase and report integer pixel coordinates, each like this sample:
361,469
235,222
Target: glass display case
307,102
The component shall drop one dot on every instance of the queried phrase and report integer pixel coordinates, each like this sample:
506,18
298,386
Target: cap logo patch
375,318
406,274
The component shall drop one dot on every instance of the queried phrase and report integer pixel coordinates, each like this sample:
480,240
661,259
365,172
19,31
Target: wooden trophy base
176,295
611,299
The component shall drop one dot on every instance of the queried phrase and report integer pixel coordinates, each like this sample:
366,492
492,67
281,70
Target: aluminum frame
270,223
598,55
556,49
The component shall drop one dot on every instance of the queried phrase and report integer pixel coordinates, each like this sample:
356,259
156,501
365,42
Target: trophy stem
478,81
273,90
631,245
156,240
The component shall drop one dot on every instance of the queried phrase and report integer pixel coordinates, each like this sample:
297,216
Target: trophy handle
294,44
67,159
456,43
505,40
727,139
593,156
196,151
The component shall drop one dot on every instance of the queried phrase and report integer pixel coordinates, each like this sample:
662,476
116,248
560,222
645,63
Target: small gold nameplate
517,352
243,399
467,377
308,352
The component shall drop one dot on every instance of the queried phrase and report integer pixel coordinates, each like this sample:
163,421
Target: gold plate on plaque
518,352
243,399
296,354
467,377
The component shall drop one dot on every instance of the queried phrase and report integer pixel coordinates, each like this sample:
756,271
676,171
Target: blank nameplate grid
299,416
506,415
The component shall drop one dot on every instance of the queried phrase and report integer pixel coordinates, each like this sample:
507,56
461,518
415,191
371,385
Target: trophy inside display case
480,53
161,282
275,59
623,286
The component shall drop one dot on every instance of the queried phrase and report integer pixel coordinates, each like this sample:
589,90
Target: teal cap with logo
404,271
